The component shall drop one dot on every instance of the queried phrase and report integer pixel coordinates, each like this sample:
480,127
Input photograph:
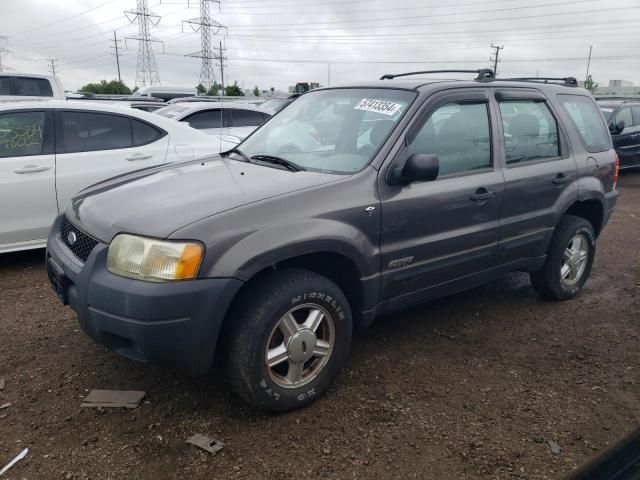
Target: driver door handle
561,178
482,194
138,156
32,169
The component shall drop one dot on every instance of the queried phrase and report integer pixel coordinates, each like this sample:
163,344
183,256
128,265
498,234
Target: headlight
153,260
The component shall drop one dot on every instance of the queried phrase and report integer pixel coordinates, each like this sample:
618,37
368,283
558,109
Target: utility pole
495,56
3,39
220,58
53,68
146,69
204,24
117,54
586,78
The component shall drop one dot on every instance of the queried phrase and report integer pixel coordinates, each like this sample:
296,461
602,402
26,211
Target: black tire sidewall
267,393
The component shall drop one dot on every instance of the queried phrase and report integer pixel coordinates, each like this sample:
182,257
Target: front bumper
173,324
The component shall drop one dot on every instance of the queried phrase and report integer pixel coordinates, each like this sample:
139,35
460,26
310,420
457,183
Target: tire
549,281
260,326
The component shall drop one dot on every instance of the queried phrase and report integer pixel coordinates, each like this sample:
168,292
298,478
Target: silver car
217,118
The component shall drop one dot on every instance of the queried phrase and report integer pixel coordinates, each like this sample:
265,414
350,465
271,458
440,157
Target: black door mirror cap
421,167
617,128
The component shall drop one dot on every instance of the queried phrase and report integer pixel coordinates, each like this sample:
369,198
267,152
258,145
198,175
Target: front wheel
290,339
569,259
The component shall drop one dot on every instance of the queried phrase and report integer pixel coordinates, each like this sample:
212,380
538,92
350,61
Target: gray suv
350,203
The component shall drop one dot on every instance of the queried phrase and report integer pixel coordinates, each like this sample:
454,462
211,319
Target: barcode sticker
378,106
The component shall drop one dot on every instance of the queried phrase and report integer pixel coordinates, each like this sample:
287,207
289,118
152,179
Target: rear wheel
290,340
569,259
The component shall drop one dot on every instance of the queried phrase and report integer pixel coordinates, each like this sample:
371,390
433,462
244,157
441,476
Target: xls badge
400,262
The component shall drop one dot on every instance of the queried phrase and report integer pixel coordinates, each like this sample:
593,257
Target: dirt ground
468,387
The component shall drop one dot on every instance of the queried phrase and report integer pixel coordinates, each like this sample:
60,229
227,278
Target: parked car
274,104
217,118
25,86
51,150
273,253
164,92
623,118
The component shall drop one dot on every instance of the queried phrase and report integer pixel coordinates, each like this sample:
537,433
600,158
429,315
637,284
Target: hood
155,202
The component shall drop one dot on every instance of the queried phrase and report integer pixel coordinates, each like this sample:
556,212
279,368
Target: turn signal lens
153,260
616,171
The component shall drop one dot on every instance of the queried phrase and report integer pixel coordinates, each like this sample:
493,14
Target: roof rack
568,81
483,73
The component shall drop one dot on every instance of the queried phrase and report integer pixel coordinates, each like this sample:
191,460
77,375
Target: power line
495,57
146,69
204,24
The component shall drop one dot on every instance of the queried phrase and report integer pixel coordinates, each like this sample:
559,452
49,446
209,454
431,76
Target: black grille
83,244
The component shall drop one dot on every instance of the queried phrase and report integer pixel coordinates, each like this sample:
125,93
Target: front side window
530,131
21,133
459,134
246,118
588,121
636,115
33,87
334,131
5,85
86,132
205,119
622,115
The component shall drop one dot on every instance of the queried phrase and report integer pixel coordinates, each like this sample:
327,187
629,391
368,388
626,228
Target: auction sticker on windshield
378,106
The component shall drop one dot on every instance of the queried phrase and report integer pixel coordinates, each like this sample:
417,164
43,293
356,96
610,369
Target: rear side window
530,131
588,121
458,133
246,118
33,87
205,119
5,85
21,133
144,133
88,131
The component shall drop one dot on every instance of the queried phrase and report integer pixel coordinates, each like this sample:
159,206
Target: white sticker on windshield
378,106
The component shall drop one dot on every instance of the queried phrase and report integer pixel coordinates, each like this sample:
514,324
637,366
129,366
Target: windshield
335,131
172,110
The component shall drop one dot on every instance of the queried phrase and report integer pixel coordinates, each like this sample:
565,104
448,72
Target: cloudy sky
279,42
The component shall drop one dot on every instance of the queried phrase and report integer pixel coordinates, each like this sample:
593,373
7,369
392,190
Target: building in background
618,88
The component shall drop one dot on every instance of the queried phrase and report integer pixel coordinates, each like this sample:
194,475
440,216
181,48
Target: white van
25,86
165,93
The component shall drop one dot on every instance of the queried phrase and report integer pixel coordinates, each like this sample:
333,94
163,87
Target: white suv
49,150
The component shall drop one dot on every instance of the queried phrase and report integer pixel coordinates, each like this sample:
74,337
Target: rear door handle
561,178
138,156
482,194
32,169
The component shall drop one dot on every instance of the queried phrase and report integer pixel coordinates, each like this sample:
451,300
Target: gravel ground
468,387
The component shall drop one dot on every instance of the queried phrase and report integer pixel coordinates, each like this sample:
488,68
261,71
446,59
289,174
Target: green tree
256,91
112,87
590,85
214,90
201,89
233,90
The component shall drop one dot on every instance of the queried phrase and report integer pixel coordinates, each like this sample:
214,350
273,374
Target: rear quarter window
588,121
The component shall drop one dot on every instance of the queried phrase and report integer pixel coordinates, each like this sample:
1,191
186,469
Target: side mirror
617,128
419,167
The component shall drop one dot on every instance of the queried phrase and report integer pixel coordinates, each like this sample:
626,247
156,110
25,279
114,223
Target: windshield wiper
289,165
238,152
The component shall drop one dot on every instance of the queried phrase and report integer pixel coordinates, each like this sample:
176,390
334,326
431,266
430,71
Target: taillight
616,172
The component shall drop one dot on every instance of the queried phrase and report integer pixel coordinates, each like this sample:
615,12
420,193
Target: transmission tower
204,24
146,69
495,57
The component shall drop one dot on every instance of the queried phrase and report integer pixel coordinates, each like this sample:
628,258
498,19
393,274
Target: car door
539,169
635,135
438,231
212,121
625,141
27,170
95,145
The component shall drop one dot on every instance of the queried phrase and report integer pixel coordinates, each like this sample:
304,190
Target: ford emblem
72,238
